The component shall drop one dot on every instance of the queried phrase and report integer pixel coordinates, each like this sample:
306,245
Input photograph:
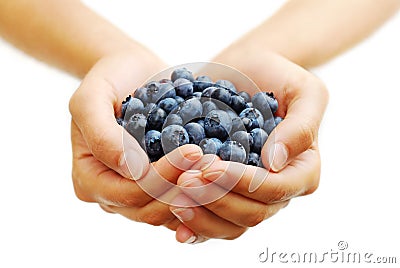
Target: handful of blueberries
169,113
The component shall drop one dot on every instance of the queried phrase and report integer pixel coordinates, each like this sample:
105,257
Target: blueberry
172,137
156,118
209,106
237,125
152,91
231,113
254,159
153,143
251,118
136,125
197,95
121,122
266,103
189,110
150,107
141,94
201,83
259,138
183,87
250,104
238,103
207,92
217,124
269,125
245,96
244,138
132,106
200,122
173,119
179,99
168,104
278,120
196,132
222,95
226,84
165,90
233,151
182,73
210,145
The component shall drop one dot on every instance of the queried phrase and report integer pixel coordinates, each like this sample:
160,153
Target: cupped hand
290,155
100,166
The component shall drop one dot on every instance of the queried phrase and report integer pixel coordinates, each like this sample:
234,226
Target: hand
291,152
100,167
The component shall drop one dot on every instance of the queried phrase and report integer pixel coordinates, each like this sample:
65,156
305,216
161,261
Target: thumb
299,130
92,109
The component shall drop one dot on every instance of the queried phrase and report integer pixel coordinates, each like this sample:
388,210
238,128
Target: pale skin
70,36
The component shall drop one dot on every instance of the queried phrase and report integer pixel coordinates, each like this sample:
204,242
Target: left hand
291,152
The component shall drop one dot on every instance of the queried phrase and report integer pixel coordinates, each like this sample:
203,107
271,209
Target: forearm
310,32
66,34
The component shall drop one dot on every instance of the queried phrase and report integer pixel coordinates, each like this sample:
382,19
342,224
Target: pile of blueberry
169,113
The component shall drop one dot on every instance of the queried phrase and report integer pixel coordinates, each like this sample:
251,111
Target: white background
43,224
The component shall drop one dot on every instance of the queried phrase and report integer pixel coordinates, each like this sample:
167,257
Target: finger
203,222
300,177
92,110
236,208
95,182
305,102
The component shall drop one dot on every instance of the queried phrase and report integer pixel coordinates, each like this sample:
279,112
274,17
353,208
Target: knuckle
79,190
256,218
236,234
155,219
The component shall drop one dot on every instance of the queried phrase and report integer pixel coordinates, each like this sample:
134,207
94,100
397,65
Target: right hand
100,171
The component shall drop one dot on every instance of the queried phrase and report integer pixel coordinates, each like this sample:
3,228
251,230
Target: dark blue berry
189,110
217,124
197,95
251,118
182,73
120,121
269,125
196,132
136,126
209,106
200,122
172,137
208,91
141,94
226,84
155,119
278,120
222,94
245,96
133,106
168,104
173,119
259,138
254,159
210,145
165,90
266,103
238,103
153,143
179,99
150,107
244,138
201,83
237,125
233,151
183,87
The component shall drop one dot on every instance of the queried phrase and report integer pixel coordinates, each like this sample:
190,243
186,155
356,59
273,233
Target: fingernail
191,239
183,214
134,163
278,156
